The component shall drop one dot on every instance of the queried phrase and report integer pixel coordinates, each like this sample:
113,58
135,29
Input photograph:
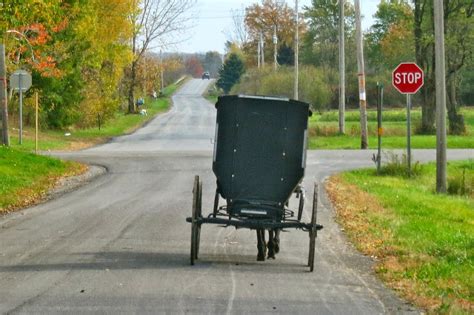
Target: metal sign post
20,81
409,134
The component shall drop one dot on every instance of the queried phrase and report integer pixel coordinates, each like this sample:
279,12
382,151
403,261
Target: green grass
121,124
25,177
324,131
432,235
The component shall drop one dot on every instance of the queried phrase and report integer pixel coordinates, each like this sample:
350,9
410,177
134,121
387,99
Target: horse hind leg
271,245
276,241
261,246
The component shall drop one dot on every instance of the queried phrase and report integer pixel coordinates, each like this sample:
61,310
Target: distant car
206,75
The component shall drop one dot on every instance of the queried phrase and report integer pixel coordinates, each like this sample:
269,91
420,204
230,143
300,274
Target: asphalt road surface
120,244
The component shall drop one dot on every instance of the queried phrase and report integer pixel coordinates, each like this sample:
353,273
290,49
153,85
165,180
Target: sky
214,22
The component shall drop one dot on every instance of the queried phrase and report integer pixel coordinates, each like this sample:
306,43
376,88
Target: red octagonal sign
407,78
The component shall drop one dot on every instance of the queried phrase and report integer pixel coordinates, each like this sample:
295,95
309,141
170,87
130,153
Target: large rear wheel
196,214
313,231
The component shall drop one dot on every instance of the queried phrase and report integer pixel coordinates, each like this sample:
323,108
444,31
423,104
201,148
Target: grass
25,177
83,138
423,242
324,131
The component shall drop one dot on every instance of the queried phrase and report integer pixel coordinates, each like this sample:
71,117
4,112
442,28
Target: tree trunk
456,121
133,77
131,91
428,108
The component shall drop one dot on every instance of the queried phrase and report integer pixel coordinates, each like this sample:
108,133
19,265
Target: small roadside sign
20,79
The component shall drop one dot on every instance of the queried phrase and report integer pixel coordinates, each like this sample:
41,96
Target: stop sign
407,78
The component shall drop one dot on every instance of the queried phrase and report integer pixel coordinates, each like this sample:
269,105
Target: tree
154,21
193,67
263,19
320,43
459,33
230,72
286,55
390,39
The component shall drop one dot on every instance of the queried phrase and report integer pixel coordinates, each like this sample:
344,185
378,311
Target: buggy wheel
196,213
313,231
199,215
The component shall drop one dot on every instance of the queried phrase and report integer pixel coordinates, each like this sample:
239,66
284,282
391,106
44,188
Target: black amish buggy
259,162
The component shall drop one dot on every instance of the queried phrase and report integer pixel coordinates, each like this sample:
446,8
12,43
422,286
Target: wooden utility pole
360,67
3,97
342,69
441,161
297,44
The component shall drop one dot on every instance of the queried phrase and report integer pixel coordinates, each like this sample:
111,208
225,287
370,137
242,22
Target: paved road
121,244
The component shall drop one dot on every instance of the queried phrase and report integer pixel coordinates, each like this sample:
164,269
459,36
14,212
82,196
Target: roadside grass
324,131
423,242
26,177
83,138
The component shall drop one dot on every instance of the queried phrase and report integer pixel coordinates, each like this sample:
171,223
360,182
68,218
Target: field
324,131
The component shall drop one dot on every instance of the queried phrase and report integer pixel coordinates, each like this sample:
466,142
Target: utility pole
441,161
360,67
297,44
3,97
342,69
275,43
262,50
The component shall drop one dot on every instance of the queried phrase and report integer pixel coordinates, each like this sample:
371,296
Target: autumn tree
263,19
155,22
390,40
194,67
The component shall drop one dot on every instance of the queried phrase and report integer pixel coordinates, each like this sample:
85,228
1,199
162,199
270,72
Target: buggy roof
260,148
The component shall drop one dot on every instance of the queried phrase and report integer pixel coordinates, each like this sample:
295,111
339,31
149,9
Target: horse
273,244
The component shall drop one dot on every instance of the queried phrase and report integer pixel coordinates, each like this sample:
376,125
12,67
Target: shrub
461,180
397,166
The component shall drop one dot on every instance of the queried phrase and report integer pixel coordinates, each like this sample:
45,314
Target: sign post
408,78
20,80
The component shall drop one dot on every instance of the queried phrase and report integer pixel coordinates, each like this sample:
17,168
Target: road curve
121,244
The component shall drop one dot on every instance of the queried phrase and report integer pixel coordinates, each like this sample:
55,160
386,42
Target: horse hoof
260,257
271,256
276,248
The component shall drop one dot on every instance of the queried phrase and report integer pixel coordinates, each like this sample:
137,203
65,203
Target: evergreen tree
230,72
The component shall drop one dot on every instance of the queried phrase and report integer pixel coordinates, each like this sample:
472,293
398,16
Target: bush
313,88
461,180
397,166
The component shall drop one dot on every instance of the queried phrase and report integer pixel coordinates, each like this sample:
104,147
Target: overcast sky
214,21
